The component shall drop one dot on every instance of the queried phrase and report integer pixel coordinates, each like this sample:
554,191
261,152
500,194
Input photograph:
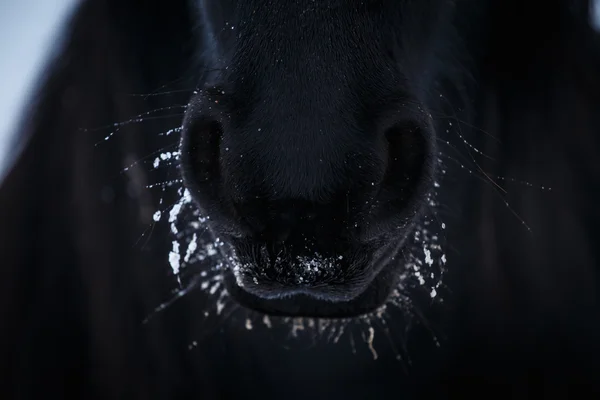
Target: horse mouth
315,301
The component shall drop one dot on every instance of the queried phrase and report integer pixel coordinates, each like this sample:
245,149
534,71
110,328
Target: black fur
494,90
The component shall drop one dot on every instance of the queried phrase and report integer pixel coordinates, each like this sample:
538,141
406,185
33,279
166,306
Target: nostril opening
407,155
200,151
406,181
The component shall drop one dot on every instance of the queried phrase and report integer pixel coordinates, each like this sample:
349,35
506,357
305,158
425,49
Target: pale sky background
596,14
29,32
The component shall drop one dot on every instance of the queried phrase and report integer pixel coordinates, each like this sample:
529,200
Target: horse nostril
200,147
407,152
407,179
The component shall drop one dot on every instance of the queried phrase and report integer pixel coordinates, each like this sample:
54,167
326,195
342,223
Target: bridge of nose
289,159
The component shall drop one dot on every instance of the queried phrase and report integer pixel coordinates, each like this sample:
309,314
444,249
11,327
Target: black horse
307,199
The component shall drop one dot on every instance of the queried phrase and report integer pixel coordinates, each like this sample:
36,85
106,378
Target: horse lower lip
330,292
301,305
308,302
331,282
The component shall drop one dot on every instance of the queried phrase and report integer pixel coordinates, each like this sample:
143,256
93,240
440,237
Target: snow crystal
174,258
191,248
267,321
428,259
370,342
174,212
220,306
